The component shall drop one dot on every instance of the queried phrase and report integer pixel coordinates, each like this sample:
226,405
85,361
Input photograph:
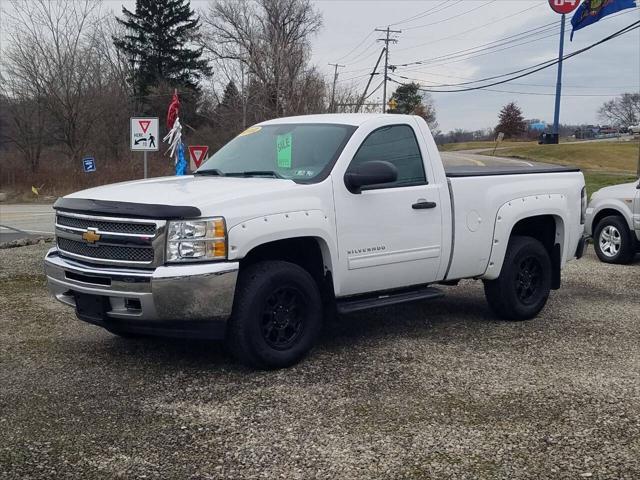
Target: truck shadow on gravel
421,319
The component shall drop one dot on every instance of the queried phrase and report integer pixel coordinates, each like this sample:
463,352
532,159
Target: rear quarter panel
486,209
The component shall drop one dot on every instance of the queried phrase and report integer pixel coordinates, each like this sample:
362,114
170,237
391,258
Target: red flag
174,110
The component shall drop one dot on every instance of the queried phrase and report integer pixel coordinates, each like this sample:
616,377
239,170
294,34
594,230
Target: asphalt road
34,220
25,220
434,390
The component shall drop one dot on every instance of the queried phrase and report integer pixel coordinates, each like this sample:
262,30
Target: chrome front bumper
174,294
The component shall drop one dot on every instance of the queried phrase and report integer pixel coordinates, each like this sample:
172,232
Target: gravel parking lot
432,390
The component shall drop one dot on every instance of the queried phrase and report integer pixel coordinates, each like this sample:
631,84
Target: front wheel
277,315
613,241
523,287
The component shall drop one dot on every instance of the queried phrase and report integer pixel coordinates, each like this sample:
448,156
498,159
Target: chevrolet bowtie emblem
90,236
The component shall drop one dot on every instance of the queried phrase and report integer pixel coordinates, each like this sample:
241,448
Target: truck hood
237,199
624,190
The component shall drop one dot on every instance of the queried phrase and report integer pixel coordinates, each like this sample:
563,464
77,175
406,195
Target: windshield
301,152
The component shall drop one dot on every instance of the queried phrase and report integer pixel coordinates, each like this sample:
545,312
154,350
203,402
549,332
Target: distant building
536,125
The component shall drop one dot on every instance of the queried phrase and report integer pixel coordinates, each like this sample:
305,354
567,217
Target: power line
492,77
505,41
424,13
434,84
540,66
491,23
487,51
357,46
542,28
452,17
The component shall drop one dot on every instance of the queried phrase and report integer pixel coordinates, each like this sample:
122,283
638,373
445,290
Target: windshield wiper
210,171
256,173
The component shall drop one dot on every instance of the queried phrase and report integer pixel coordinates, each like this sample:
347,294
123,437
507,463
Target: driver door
387,238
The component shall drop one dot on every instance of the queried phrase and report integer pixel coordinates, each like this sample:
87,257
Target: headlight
196,240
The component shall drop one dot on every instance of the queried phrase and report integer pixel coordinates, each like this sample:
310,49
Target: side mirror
369,173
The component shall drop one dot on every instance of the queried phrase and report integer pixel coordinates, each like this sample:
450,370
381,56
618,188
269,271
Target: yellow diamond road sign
392,104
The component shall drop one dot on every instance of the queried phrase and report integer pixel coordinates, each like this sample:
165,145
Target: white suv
613,220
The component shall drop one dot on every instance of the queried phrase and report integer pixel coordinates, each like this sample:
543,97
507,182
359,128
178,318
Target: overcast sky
441,27
607,70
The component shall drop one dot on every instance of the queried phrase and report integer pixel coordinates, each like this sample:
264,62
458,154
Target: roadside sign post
89,164
144,137
499,139
197,154
562,7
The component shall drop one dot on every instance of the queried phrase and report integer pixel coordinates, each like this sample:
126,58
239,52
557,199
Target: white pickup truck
298,218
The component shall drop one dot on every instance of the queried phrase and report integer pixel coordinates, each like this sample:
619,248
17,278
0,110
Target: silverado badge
90,236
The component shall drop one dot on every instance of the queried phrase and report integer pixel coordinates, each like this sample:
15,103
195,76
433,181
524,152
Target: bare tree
622,111
24,121
51,54
269,40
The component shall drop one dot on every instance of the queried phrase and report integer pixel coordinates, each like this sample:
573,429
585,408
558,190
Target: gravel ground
434,390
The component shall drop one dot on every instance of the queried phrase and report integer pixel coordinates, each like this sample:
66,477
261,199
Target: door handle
422,205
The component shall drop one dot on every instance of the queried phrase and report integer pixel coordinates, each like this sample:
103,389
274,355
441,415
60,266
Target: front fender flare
246,236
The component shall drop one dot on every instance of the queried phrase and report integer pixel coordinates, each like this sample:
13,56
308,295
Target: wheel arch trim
514,211
249,235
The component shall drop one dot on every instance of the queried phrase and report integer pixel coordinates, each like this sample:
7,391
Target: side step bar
351,305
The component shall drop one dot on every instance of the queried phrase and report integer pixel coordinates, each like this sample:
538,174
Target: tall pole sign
562,7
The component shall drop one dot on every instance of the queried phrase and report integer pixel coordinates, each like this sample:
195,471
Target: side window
396,144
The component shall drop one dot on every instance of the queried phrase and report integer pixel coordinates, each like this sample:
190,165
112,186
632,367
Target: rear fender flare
512,212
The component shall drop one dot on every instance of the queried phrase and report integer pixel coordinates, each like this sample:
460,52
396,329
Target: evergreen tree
157,44
411,101
228,113
511,122
231,98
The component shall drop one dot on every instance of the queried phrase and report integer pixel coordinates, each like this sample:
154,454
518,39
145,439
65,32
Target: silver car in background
613,221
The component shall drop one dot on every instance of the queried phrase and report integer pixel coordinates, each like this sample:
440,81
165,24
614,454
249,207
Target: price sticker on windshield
283,145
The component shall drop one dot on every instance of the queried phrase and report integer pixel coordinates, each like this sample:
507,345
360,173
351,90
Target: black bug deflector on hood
126,209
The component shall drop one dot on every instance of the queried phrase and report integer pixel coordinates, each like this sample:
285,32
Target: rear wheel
523,287
277,315
612,240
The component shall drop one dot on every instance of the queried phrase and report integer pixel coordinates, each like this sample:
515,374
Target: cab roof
355,119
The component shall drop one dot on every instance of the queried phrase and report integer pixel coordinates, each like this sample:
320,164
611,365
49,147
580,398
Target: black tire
613,241
523,287
277,315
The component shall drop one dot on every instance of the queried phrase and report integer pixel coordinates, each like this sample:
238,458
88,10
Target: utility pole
333,90
556,114
371,75
386,41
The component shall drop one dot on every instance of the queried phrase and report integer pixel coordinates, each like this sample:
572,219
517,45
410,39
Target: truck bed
454,171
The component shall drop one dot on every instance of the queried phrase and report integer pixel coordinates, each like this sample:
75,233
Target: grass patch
597,180
599,156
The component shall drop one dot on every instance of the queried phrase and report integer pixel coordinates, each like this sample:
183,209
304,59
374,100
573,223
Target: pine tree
231,98
159,33
228,112
511,122
411,101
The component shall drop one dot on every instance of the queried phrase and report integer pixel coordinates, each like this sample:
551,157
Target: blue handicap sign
89,164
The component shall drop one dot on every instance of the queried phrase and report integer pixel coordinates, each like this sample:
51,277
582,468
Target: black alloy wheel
528,280
522,289
277,314
283,319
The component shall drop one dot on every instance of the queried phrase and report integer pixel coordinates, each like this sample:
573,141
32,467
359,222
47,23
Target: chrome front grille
110,240
106,226
106,252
